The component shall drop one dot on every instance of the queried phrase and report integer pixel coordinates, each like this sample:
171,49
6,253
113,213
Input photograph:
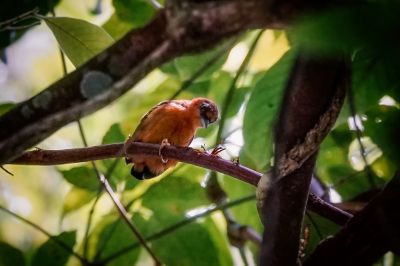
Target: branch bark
368,235
173,32
188,155
111,73
311,104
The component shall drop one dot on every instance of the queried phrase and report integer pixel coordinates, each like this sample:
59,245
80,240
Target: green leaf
76,198
185,66
10,256
136,12
220,84
245,213
79,39
5,107
318,225
117,27
51,253
261,112
199,243
114,237
113,135
174,195
120,172
82,177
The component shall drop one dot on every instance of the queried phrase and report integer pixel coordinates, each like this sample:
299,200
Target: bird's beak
204,122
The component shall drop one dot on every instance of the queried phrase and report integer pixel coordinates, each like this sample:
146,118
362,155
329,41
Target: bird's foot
163,144
217,150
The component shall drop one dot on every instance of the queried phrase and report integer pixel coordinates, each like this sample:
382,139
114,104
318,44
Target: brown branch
368,235
188,155
311,104
113,72
173,32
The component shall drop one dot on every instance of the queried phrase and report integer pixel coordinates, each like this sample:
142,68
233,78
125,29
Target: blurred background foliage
60,199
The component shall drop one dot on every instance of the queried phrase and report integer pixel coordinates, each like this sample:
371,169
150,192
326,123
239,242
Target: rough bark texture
314,85
367,236
190,27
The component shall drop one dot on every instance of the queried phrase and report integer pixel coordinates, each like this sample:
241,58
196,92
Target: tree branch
196,27
188,155
368,235
311,104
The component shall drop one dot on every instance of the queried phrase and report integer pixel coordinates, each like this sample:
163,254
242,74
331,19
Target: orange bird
170,122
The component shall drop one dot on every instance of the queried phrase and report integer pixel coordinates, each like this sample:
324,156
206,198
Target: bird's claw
163,144
217,150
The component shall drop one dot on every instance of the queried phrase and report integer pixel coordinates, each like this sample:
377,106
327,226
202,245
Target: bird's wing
142,122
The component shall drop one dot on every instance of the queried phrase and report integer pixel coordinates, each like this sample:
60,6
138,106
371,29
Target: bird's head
207,110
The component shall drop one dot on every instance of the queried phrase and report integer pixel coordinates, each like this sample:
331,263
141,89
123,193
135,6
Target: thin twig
97,9
243,256
359,136
109,172
125,215
29,14
188,155
57,241
88,224
21,27
5,170
178,225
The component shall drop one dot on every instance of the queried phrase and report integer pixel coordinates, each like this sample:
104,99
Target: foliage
248,134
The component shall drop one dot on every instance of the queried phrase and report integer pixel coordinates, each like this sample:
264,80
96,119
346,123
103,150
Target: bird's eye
204,106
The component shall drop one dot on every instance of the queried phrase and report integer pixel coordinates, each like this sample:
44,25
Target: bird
172,122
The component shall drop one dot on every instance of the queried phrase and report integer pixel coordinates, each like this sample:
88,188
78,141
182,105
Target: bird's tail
142,174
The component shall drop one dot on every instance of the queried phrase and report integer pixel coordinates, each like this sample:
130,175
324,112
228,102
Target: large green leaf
117,27
136,12
10,256
51,253
186,66
79,39
199,243
114,237
246,213
113,135
261,112
219,86
82,177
